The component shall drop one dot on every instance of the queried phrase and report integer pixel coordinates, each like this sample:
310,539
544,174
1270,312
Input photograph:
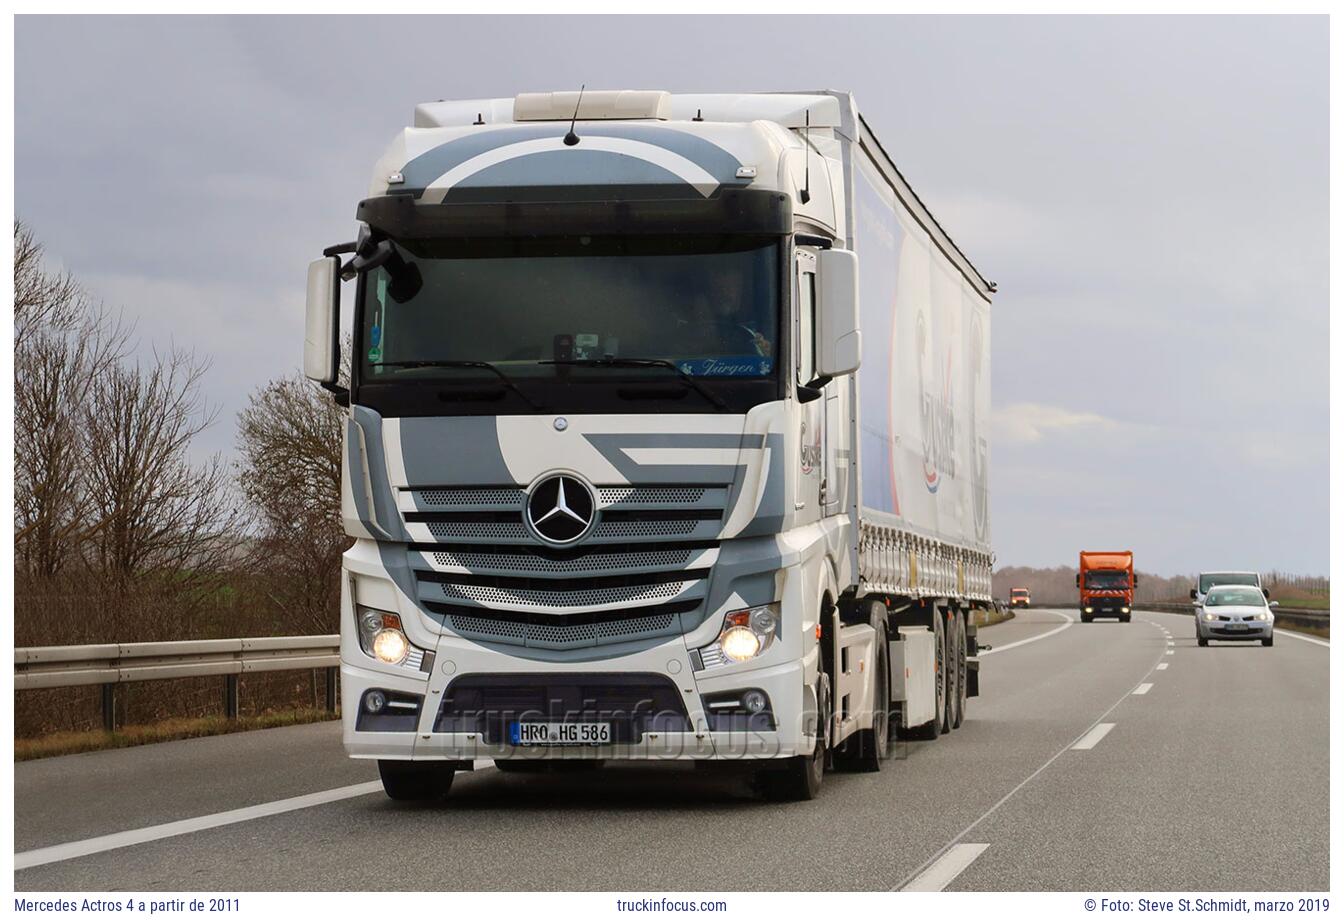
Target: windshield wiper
686,378
483,365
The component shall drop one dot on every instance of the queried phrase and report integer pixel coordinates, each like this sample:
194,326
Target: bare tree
289,442
62,342
159,515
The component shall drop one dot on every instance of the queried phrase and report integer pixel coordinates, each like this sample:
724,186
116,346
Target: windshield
1226,578
710,305
1020,592
1107,578
1235,597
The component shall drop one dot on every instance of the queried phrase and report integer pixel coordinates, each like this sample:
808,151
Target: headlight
380,636
1210,617
1259,616
744,636
1124,610
1087,610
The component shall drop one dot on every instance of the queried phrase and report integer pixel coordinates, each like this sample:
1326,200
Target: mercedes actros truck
1105,582
667,438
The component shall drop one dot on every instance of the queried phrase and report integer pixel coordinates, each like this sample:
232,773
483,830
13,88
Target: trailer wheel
800,779
864,751
959,639
412,781
949,670
930,730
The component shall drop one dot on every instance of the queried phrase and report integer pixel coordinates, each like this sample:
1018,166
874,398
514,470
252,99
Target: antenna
571,138
806,194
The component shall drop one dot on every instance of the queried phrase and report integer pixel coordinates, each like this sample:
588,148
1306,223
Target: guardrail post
109,707
331,689
231,696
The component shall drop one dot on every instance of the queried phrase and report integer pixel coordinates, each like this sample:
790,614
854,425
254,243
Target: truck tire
412,781
864,751
930,730
949,670
800,779
959,699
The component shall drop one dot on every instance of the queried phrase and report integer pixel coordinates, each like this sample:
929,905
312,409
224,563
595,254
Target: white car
1236,613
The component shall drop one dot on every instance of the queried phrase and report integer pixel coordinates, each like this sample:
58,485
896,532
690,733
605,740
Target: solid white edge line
1292,635
1089,741
1068,621
77,848
1141,689
948,866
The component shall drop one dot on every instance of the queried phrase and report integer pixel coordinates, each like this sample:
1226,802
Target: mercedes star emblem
560,509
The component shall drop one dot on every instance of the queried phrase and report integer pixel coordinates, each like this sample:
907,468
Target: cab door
810,499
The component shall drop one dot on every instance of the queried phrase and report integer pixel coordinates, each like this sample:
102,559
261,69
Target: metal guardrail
1301,617
118,663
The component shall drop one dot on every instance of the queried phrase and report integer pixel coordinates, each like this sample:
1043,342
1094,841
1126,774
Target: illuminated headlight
1210,617
744,636
1124,610
380,636
1258,616
1087,610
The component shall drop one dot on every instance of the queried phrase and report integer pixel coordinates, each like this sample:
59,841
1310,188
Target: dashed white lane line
1292,635
1171,651
1089,741
78,848
1162,666
1068,621
947,867
1141,689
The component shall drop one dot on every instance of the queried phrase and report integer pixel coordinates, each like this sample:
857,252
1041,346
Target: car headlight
381,636
1210,617
744,636
1259,616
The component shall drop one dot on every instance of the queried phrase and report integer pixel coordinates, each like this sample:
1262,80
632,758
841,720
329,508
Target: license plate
1238,627
560,732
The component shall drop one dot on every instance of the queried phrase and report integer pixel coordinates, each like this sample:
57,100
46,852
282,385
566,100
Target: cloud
1027,423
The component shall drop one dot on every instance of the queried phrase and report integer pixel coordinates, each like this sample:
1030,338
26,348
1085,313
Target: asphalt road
1214,777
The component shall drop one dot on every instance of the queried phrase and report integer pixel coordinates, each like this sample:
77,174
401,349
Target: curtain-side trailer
667,439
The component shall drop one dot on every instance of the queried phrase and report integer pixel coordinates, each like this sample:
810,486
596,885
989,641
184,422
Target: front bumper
1224,631
665,719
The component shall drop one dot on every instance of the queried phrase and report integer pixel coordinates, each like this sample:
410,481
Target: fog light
740,644
753,701
375,701
390,646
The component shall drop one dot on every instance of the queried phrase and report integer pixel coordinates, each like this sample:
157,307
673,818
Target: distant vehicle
1236,613
1019,597
1208,580
1105,584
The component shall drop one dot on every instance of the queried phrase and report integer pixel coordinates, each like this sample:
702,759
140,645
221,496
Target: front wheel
411,781
800,779
1267,642
1203,643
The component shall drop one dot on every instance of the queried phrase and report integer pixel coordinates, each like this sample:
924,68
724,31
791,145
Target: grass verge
61,743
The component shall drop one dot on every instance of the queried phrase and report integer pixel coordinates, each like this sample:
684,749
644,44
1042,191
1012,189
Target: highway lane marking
1171,651
1019,787
1292,635
1089,741
75,849
78,848
1162,666
1068,621
951,864
1141,689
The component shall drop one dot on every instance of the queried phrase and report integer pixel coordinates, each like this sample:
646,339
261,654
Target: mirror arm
339,249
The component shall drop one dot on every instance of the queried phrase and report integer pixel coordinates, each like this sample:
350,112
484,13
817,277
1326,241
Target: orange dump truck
1019,597
1105,585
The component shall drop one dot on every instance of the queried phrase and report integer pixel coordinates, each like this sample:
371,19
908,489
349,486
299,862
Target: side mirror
1193,594
1077,581
320,362
1273,603
1266,590
838,341
1136,579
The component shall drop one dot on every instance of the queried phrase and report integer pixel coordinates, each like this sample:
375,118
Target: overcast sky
1149,193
